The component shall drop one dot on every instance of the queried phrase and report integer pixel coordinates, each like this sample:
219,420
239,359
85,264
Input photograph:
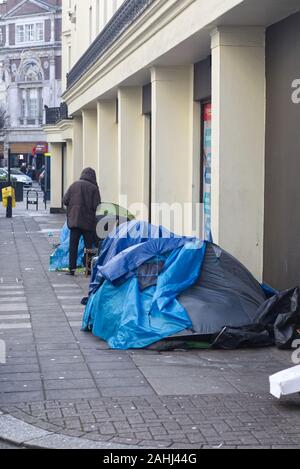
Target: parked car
17,175
4,175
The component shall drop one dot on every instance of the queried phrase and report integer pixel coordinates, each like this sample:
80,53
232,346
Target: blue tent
138,277
59,260
149,285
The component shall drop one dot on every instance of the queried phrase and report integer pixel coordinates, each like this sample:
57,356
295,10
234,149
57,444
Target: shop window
32,32
31,107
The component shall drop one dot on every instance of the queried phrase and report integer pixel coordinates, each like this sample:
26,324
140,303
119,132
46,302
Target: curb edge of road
25,435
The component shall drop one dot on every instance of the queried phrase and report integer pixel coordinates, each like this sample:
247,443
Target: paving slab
191,385
13,307
73,394
23,377
18,396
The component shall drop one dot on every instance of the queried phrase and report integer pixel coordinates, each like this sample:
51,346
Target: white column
77,147
7,35
14,105
238,134
52,29
56,175
69,163
28,112
172,146
90,139
147,187
108,151
73,161
130,150
52,82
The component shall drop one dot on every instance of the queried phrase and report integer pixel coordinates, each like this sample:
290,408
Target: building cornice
60,132
126,15
12,52
34,16
155,18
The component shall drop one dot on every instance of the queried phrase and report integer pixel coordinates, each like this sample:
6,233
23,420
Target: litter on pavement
286,382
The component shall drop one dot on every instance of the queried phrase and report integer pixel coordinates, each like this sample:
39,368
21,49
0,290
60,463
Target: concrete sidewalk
64,387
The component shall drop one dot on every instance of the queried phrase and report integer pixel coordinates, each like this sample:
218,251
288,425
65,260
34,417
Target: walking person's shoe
71,273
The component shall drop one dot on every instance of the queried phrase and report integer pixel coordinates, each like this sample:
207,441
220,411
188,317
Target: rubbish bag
281,316
278,324
59,260
253,336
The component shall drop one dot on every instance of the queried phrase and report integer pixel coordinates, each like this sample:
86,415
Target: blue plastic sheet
128,317
130,235
59,260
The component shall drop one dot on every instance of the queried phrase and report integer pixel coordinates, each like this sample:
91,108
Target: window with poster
206,160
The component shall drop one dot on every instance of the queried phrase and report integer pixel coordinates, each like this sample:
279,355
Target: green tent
107,209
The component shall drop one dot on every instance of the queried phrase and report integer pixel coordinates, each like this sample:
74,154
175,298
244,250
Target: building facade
30,73
190,106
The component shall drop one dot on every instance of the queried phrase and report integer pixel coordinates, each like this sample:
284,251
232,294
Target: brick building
30,72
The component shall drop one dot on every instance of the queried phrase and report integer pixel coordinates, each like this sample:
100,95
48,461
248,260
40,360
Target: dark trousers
75,236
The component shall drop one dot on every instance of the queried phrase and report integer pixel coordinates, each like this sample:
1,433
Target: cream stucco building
171,103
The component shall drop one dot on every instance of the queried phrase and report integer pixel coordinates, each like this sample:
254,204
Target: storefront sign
40,149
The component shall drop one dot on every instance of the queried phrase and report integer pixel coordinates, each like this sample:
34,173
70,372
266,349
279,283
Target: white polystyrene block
286,382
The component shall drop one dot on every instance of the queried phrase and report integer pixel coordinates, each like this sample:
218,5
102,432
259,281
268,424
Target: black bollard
9,207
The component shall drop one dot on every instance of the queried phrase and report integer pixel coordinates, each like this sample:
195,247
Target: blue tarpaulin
130,235
59,260
122,313
149,284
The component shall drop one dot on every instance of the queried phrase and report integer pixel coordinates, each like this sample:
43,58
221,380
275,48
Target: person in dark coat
29,172
23,168
82,200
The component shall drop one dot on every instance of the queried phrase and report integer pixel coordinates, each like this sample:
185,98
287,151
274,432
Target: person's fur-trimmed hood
89,175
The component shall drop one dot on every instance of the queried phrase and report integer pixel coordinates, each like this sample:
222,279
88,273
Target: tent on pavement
150,285
59,260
